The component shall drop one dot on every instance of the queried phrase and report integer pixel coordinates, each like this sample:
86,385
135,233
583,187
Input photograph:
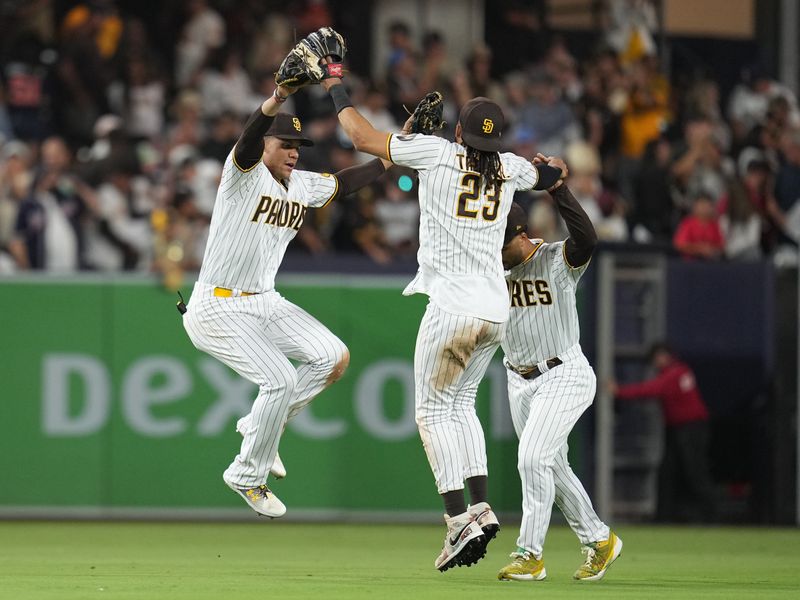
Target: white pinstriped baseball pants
450,359
256,336
544,411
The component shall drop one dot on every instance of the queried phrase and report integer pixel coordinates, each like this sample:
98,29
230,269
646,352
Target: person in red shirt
699,234
685,488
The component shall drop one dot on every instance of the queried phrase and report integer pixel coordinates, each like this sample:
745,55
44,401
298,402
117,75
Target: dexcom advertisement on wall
106,404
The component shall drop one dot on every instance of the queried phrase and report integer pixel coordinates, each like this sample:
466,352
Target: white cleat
277,470
486,519
464,544
261,499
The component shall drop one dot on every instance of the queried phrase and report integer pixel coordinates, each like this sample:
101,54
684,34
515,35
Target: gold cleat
524,567
599,556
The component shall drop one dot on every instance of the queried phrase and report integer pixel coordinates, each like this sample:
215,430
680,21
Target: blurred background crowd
115,123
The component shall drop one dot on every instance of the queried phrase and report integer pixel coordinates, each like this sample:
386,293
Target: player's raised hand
304,64
330,81
555,162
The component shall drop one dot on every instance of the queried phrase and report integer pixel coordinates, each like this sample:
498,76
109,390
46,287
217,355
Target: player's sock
478,488
454,503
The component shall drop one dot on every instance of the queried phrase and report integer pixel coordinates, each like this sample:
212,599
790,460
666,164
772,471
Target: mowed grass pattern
154,561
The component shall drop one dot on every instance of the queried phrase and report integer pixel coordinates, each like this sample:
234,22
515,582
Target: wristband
278,98
340,98
332,70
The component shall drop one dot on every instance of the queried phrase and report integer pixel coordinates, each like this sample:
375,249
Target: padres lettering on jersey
529,293
254,219
543,321
462,225
280,213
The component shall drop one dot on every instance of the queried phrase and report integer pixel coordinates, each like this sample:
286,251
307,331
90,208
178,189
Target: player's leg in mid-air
231,330
453,351
471,437
544,411
322,357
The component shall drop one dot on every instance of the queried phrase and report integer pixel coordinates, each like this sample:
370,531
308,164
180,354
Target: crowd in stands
114,130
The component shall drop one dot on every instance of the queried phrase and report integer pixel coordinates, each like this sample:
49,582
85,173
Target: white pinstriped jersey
254,219
544,318
461,226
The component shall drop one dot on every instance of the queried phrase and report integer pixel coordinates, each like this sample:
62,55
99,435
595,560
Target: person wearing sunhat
466,187
236,315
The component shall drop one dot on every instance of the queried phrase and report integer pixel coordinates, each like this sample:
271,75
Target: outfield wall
108,410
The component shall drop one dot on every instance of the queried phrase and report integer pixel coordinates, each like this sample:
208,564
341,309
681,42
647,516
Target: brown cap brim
480,142
304,141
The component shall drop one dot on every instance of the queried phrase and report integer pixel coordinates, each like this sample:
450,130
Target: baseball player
236,315
466,188
550,384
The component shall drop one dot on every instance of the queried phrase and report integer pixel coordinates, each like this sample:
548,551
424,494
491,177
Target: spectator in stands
749,102
644,118
91,35
50,220
140,99
375,109
400,44
632,27
653,213
188,126
123,237
360,230
224,132
99,21
432,72
188,231
599,109
700,166
702,100
25,96
515,97
397,214
476,78
224,84
15,184
699,234
6,129
602,206
740,224
685,489
549,116
759,187
204,31
401,71
563,68
787,181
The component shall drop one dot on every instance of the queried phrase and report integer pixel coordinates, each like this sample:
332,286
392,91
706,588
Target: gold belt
227,293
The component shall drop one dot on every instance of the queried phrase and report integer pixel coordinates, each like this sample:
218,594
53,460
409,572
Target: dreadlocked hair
487,164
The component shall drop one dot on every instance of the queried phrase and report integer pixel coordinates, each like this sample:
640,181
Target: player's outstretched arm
250,145
582,240
364,136
353,179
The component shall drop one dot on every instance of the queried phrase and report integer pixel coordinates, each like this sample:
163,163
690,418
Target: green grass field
273,560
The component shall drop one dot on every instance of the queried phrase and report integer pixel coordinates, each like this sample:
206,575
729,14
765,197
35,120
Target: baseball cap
482,123
288,127
516,222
